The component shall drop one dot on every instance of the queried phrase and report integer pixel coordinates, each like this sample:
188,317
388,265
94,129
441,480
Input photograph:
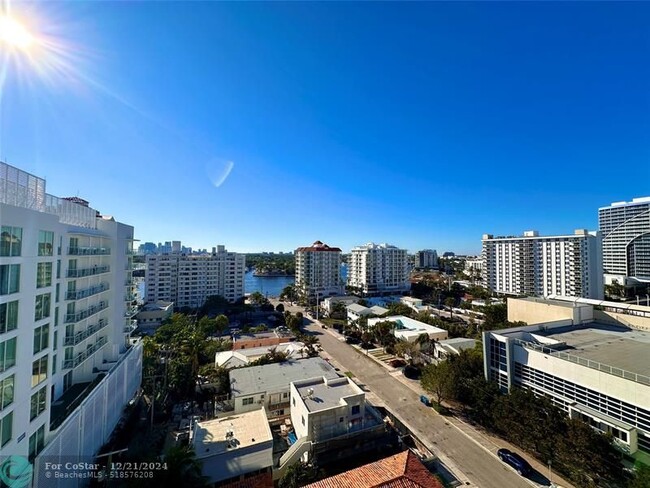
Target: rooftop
403,470
242,356
318,246
320,393
270,377
612,345
226,434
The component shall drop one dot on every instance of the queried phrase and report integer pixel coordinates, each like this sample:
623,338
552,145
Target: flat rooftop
227,434
555,303
319,395
616,346
272,377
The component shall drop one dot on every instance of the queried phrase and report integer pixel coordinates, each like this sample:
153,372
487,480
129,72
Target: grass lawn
334,322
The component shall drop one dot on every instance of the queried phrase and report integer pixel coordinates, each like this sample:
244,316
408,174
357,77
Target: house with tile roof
403,470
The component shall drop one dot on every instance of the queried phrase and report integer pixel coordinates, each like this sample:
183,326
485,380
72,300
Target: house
447,347
356,311
268,385
271,338
410,329
329,303
234,447
152,315
413,303
242,357
403,470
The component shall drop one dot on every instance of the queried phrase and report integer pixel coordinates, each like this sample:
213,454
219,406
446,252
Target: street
454,448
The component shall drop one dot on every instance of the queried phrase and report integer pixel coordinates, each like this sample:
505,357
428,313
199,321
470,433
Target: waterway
270,286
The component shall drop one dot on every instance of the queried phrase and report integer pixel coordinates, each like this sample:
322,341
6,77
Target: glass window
58,269
9,278
37,404
7,354
56,316
8,316
355,410
53,365
247,401
36,442
10,240
41,338
6,425
55,340
6,392
42,307
45,243
39,371
43,275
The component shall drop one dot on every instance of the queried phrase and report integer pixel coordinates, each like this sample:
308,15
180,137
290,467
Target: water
267,285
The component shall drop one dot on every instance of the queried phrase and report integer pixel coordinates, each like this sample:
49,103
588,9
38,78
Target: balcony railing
82,356
130,312
88,292
75,339
81,272
76,317
89,251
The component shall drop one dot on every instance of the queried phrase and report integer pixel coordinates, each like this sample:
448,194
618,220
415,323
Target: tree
496,316
438,380
383,332
398,308
450,302
279,308
221,324
641,477
183,469
257,299
289,293
407,350
298,474
214,304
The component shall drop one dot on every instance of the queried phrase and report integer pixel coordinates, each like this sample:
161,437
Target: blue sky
423,125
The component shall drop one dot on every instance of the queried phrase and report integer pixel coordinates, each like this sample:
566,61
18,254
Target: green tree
398,308
641,477
496,316
438,380
221,324
289,294
298,474
183,469
214,304
279,308
257,299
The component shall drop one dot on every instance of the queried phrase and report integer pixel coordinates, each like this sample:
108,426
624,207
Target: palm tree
183,469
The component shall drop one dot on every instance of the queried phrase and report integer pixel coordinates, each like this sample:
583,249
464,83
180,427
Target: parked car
515,460
352,340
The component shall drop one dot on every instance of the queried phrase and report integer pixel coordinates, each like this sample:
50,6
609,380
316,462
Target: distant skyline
267,126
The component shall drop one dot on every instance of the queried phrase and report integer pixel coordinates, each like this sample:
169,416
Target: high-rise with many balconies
625,227
534,265
318,271
67,364
189,279
379,269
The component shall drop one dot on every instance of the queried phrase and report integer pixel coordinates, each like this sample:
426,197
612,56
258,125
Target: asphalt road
480,467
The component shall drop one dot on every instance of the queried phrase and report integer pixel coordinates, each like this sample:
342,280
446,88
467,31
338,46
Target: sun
14,33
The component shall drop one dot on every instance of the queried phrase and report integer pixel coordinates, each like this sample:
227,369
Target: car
515,460
352,340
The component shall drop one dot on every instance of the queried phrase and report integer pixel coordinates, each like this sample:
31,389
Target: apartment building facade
533,265
625,227
66,316
189,279
379,269
427,258
318,271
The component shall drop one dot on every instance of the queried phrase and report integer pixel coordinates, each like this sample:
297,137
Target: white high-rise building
189,279
379,269
67,364
625,227
318,271
534,265
427,258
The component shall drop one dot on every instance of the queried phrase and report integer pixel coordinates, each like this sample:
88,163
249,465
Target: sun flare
14,33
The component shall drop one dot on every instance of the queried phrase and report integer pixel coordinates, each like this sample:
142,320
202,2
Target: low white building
328,303
243,357
452,347
232,447
413,303
323,408
154,314
409,329
268,385
356,311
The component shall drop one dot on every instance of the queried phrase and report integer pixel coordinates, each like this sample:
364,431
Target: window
6,424
41,338
39,371
58,269
55,340
10,240
36,442
8,316
56,316
57,292
7,354
42,307
43,275
303,420
9,279
37,404
247,401
294,402
356,409
53,365
6,392
340,419
45,243
285,395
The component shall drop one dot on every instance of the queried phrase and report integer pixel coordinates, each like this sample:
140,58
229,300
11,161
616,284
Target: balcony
82,356
130,326
81,272
76,317
130,312
89,251
88,292
75,339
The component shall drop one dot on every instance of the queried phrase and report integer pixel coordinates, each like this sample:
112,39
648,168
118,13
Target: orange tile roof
262,480
403,470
